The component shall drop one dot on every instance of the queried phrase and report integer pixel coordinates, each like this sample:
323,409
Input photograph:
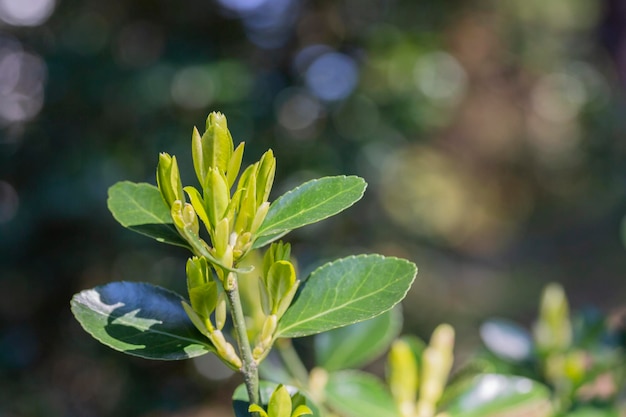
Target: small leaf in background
359,394
347,291
358,344
241,400
141,208
491,395
311,202
139,319
507,340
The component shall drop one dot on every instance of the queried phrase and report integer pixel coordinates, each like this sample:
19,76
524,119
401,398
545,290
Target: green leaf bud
224,349
279,280
234,165
437,361
280,403
168,179
265,337
259,217
220,311
198,156
265,176
198,204
190,218
221,237
217,143
197,272
217,196
402,375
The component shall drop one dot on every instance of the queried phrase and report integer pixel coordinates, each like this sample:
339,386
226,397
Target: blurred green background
492,134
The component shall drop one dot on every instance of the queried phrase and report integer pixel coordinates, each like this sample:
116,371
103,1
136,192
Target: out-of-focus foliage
491,134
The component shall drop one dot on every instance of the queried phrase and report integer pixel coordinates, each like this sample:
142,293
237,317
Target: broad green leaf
141,208
359,394
241,401
356,345
311,202
139,319
507,340
347,291
490,395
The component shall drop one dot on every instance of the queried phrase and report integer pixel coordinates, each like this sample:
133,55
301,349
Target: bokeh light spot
297,110
26,12
22,78
558,97
9,202
332,76
440,77
192,88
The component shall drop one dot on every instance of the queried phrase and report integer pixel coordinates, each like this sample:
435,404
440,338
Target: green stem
292,361
249,369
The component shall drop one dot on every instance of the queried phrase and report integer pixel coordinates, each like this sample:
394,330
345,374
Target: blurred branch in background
491,134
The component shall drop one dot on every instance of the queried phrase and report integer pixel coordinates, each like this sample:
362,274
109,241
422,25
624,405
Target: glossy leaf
359,394
139,319
311,202
491,395
241,399
347,291
141,208
356,345
507,340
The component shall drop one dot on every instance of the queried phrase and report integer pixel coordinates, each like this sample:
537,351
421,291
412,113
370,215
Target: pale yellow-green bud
220,311
402,375
265,337
190,218
224,349
198,205
553,330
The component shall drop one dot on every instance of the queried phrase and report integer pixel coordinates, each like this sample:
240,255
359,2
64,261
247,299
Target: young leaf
347,291
356,345
491,395
311,202
139,319
141,208
359,394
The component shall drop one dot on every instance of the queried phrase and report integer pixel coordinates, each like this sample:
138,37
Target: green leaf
311,202
490,395
356,345
358,394
347,291
141,208
266,388
139,319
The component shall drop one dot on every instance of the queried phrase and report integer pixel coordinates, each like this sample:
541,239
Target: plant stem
292,361
249,369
